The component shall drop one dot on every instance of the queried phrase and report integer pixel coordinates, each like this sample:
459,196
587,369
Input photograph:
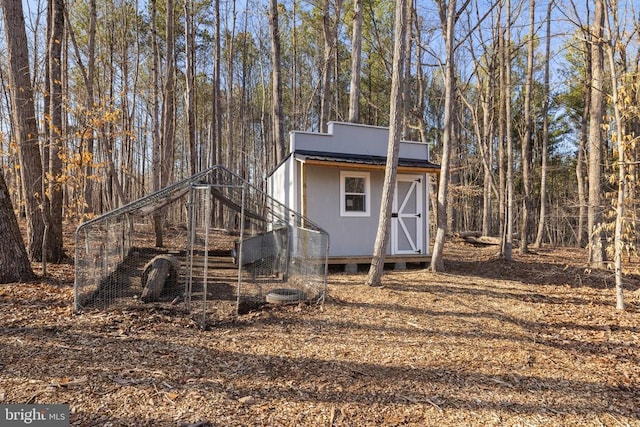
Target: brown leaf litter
534,341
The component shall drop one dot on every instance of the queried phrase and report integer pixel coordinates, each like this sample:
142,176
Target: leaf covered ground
536,341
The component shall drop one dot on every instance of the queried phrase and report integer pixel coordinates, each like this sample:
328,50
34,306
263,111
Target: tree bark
330,32
25,125
276,82
526,143
507,250
594,212
190,80
54,247
545,133
356,61
14,263
620,135
395,129
167,137
448,16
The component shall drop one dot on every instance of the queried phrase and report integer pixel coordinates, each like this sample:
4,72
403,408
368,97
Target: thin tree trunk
190,80
581,235
356,61
620,134
155,123
502,175
325,92
231,51
330,35
527,179
54,247
508,236
594,212
276,103
395,121
545,133
448,15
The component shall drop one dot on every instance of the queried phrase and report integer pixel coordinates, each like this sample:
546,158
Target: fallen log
160,274
481,240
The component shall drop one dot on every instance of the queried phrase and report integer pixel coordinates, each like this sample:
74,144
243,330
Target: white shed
335,179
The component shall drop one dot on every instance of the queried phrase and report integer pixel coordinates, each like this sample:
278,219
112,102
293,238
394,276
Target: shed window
355,194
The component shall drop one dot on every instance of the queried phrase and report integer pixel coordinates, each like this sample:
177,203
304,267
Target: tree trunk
583,141
594,213
545,133
329,30
190,80
231,52
54,247
448,20
14,263
620,134
356,61
276,102
526,143
508,232
502,175
25,125
395,128
155,121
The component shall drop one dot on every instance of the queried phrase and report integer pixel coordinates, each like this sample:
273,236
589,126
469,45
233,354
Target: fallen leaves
483,344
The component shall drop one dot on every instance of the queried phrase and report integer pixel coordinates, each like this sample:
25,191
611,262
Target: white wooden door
407,217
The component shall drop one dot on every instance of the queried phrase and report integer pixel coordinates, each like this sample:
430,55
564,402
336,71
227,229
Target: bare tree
448,17
54,246
190,80
276,83
329,30
527,178
395,129
620,135
594,211
356,62
25,125
507,246
545,132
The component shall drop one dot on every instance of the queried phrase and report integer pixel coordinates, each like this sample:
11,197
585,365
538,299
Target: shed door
407,218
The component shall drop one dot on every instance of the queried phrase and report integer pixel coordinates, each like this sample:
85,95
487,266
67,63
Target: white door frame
405,211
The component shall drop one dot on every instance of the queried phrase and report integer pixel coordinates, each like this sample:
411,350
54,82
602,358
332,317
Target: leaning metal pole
240,250
207,224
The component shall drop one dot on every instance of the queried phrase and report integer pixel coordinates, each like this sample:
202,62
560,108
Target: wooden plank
363,259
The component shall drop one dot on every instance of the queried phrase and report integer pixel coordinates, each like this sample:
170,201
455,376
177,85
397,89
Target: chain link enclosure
226,246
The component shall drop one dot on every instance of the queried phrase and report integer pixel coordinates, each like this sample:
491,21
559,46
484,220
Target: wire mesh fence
213,243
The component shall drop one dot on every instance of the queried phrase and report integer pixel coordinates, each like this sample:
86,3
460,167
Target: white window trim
367,193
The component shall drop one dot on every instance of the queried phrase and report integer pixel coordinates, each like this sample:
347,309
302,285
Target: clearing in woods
536,341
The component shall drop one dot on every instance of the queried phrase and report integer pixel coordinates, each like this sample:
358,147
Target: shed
335,179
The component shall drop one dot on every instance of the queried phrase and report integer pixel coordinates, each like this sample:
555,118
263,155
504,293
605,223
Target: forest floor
532,342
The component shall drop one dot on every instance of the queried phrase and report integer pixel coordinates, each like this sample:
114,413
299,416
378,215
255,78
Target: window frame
367,194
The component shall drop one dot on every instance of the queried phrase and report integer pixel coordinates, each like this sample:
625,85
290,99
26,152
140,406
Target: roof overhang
364,162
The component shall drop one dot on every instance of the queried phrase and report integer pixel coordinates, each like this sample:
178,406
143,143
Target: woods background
105,101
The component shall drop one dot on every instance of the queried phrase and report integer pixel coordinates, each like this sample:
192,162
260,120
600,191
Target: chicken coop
212,243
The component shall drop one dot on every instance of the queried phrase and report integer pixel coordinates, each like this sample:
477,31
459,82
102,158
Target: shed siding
349,138
282,184
350,236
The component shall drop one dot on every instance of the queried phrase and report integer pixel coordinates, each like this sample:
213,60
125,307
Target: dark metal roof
362,159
